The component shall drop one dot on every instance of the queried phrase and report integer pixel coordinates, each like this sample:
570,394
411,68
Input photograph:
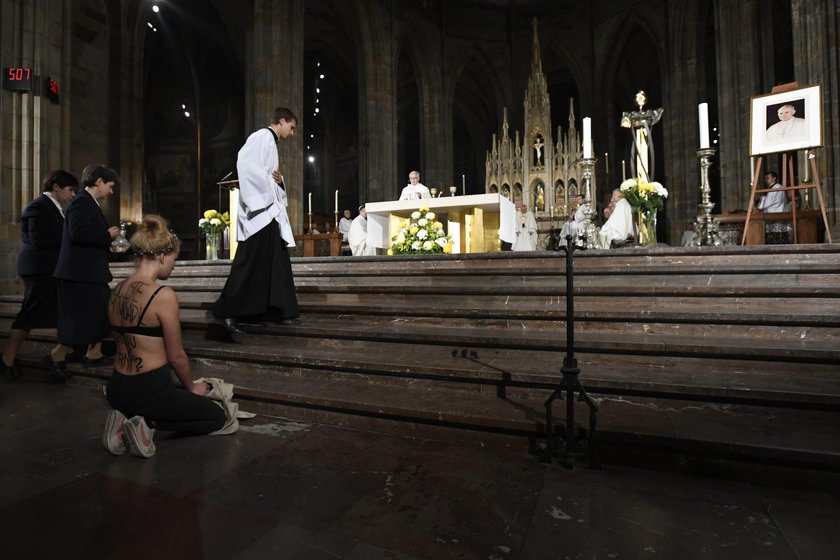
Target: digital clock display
17,78
53,89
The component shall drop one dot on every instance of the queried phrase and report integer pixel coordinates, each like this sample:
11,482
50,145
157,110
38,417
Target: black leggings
156,398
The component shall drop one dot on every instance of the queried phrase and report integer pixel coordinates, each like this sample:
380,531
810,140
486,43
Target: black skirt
260,284
40,303
82,313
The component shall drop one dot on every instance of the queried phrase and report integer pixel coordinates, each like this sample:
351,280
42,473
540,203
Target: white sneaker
113,438
139,437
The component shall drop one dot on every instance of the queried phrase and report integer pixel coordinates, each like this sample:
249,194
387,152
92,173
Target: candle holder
310,222
587,232
706,227
336,221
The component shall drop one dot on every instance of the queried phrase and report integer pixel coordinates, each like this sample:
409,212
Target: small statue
540,199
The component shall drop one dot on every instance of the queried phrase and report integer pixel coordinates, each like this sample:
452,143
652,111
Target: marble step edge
742,348
608,380
400,374
707,446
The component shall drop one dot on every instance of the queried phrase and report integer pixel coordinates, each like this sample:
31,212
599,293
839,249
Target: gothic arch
476,113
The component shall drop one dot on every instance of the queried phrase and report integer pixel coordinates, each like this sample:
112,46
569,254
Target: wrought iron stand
566,445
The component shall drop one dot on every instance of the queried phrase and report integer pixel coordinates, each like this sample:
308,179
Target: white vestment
261,200
787,131
618,227
357,237
573,227
526,233
773,201
344,227
413,192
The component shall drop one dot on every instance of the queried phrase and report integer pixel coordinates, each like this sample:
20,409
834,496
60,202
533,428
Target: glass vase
646,224
211,247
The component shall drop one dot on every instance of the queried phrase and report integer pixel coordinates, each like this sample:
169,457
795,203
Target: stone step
759,381
799,438
404,334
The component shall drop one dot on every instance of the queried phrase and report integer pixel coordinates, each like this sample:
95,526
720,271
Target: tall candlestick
463,184
587,137
623,170
336,200
310,203
703,112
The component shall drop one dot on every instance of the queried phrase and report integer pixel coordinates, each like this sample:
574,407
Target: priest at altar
619,225
357,236
526,232
415,189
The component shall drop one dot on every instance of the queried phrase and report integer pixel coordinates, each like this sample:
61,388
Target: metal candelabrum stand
706,227
587,233
566,445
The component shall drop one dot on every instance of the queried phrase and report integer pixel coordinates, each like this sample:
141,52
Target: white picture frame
786,121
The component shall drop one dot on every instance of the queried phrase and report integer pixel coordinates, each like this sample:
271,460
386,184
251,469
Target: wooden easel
788,185
787,181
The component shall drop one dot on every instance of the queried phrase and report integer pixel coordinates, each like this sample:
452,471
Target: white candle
703,112
464,184
587,137
310,203
336,201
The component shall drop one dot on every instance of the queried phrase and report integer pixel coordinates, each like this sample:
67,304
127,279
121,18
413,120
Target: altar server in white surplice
526,232
344,225
415,190
619,226
260,286
357,237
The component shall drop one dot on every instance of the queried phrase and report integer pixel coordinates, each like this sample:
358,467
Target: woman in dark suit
82,270
41,225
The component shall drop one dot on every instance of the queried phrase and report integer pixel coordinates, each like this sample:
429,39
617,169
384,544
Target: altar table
476,223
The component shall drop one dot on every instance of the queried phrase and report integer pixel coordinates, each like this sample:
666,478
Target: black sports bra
138,329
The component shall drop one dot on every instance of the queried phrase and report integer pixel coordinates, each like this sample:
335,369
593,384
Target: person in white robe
526,233
415,190
260,287
619,226
775,200
573,226
344,225
357,237
788,129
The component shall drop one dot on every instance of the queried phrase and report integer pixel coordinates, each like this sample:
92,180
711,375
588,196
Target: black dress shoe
291,321
58,370
9,372
231,324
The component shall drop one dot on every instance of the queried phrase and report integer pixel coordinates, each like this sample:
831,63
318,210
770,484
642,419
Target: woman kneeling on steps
144,317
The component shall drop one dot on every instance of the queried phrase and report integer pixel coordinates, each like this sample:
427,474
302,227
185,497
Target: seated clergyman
619,226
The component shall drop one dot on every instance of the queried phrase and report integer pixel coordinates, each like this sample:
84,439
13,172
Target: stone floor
280,489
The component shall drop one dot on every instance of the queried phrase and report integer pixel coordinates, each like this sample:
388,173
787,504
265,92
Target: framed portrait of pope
786,121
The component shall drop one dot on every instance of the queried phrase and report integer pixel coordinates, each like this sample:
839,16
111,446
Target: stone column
274,78
377,103
816,34
34,137
684,89
739,78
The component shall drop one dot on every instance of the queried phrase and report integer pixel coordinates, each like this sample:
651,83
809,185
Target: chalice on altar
434,192
452,190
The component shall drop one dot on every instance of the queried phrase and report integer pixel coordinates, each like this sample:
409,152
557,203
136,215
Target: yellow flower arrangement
421,233
644,197
213,222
